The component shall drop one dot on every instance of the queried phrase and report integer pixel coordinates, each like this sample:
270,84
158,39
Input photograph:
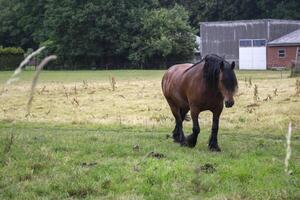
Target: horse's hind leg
191,140
178,134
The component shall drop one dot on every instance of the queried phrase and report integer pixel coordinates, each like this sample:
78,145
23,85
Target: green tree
21,22
166,36
98,32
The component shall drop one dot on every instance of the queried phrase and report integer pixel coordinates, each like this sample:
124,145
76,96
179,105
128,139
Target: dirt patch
80,192
136,147
156,155
252,105
85,164
208,168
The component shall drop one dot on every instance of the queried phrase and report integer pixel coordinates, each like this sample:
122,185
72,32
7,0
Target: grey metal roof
292,38
251,21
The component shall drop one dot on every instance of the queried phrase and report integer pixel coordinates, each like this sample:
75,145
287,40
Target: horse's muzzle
229,104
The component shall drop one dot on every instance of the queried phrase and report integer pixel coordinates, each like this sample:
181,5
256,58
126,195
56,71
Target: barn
244,41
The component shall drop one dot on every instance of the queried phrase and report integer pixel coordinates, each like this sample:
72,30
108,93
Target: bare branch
35,79
22,64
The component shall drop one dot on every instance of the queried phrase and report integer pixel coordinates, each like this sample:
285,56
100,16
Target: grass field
84,140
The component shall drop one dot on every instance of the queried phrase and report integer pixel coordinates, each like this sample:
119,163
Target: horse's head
227,83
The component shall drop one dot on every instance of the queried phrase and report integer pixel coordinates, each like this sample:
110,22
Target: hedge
10,57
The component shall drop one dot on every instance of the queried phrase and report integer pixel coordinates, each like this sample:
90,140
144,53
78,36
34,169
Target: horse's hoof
187,144
215,149
183,144
191,141
176,139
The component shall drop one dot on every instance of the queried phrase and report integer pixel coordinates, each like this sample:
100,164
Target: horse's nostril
229,104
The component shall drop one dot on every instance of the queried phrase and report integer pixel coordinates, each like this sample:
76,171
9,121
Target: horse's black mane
211,72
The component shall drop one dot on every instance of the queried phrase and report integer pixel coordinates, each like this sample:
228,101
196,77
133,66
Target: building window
245,43
298,55
259,43
281,53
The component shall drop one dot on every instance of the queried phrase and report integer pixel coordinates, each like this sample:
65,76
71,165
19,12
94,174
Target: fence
295,68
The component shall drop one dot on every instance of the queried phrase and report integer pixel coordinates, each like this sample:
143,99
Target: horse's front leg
213,140
191,140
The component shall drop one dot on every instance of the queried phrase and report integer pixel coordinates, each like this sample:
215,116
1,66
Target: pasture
106,135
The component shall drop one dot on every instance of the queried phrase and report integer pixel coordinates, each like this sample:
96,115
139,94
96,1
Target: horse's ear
232,65
222,65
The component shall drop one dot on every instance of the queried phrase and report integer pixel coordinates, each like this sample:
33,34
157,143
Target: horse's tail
187,117
163,83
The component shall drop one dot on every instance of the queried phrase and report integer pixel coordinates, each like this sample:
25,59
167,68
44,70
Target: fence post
288,150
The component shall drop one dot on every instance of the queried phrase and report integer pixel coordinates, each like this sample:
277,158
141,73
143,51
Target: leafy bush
11,51
10,57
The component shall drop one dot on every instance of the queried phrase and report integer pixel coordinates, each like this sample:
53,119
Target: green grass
54,157
64,161
79,76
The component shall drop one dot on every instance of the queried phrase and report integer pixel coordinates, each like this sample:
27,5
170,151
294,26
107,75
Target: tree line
143,33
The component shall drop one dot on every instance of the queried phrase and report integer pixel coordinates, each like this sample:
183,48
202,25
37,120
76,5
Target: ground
84,139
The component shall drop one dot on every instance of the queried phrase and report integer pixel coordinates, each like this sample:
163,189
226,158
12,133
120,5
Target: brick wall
273,59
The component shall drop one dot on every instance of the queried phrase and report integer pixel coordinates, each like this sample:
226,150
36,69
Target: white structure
252,54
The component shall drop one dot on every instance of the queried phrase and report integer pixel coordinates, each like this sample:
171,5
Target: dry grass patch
139,101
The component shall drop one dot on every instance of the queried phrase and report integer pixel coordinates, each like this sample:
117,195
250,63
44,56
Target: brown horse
199,87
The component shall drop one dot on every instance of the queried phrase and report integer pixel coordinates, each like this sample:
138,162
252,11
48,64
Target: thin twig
35,79
10,141
22,64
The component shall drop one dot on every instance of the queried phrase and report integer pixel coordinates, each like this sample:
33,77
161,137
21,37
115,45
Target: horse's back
178,69
173,80
174,73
